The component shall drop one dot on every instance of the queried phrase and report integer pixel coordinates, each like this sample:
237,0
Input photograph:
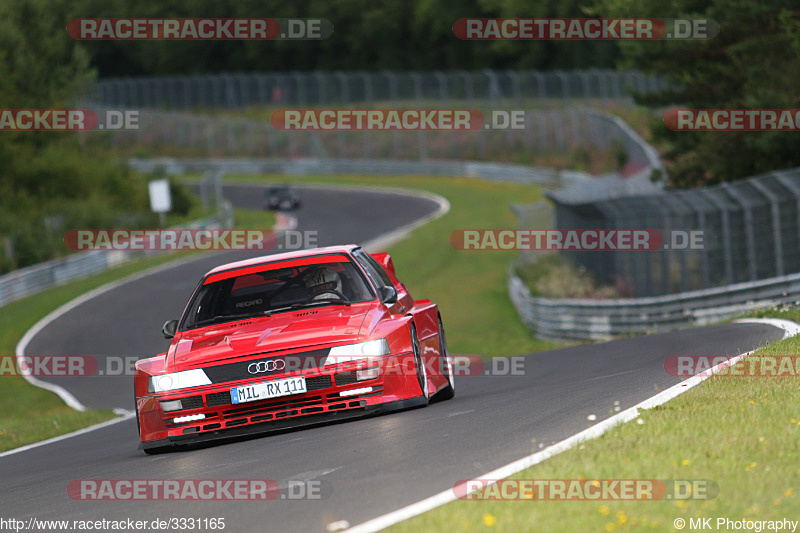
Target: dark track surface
372,466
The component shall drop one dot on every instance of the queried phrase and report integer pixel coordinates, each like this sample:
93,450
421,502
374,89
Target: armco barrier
306,166
585,319
302,89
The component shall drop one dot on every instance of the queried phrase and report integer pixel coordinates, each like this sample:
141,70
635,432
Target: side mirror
387,295
169,328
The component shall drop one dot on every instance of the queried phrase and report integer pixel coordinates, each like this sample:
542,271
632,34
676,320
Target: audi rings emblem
266,366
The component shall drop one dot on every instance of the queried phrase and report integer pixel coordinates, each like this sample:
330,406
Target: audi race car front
280,344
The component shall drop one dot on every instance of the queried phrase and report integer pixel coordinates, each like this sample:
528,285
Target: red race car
292,339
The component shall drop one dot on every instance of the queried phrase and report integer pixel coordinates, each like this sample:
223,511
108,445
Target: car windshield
276,289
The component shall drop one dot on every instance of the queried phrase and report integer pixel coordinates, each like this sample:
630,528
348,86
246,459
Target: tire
449,391
422,373
136,410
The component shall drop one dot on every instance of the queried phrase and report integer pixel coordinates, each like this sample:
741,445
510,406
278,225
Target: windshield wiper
303,305
333,300
229,318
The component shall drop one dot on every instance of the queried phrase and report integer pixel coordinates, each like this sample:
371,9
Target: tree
753,63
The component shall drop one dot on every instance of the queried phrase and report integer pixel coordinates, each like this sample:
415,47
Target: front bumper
208,412
265,428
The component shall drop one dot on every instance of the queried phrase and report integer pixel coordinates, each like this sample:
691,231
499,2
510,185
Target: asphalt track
366,467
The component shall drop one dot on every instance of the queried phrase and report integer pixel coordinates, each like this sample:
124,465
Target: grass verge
786,312
469,286
30,414
739,432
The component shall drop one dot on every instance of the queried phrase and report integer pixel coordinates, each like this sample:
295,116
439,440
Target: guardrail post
777,234
748,227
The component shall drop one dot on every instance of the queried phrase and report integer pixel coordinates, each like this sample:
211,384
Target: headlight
179,380
354,352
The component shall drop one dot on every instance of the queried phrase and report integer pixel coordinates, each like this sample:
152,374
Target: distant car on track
282,197
287,340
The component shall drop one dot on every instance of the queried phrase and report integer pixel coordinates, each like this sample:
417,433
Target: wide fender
426,319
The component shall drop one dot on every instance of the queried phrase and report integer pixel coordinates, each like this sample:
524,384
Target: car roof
298,254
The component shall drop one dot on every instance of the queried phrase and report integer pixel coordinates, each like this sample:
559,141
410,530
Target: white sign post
160,199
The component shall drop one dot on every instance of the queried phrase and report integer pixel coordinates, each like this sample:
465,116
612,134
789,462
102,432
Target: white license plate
269,389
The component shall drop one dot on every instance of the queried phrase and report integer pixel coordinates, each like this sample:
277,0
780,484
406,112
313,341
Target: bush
552,276
46,190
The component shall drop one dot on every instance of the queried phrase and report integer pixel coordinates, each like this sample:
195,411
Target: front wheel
450,390
422,373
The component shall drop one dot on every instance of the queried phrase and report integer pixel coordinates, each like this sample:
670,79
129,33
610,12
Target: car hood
307,328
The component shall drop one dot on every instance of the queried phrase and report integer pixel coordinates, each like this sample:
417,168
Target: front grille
346,378
238,370
192,402
350,377
189,402
319,382
281,408
218,398
259,407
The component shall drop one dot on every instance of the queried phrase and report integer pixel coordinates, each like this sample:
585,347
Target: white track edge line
381,522
22,345
122,418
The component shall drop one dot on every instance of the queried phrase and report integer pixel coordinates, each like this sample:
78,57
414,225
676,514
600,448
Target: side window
377,266
376,275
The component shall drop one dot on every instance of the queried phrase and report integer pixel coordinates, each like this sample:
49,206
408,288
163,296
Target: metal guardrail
750,231
542,131
582,319
36,278
306,166
234,90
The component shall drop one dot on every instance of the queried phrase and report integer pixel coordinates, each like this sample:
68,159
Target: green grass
469,286
786,312
30,414
740,432
253,218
